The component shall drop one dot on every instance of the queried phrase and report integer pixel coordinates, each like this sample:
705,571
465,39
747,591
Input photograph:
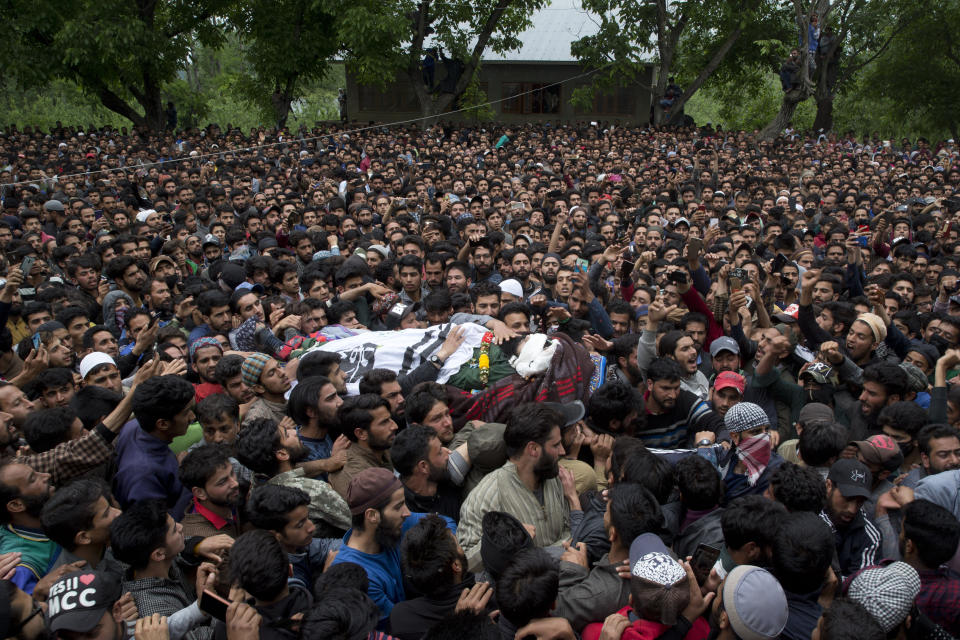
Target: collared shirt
203,522
939,598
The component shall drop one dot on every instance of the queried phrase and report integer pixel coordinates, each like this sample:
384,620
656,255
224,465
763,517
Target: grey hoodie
109,314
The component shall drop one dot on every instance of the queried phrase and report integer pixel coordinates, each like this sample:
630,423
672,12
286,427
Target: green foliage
919,75
474,100
747,106
122,52
59,101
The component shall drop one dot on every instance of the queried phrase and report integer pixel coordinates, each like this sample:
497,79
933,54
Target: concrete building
533,83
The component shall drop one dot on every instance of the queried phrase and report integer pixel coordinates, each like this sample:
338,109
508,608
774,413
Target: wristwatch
435,361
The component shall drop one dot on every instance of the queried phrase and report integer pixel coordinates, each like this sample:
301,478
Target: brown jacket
358,459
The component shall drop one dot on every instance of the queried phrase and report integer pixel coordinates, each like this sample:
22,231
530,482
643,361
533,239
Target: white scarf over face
535,356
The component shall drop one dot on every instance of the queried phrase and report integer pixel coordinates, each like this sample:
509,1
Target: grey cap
572,412
724,343
815,412
53,205
755,603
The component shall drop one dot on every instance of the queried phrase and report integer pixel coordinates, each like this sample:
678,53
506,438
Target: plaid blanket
567,379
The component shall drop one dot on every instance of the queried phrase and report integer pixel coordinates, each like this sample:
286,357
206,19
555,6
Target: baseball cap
571,412
256,287
820,371
730,380
888,593
815,412
53,205
156,261
852,477
78,600
744,416
210,239
882,450
93,360
724,343
755,603
400,310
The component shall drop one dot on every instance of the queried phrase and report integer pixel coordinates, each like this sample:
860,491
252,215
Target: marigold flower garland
483,361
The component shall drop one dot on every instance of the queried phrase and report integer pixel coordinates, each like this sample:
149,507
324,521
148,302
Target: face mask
906,448
823,395
940,343
754,452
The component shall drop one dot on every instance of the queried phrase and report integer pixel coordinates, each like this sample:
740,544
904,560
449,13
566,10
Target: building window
397,97
530,98
621,102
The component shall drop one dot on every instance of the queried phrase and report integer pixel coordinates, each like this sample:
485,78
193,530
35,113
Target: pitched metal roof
554,28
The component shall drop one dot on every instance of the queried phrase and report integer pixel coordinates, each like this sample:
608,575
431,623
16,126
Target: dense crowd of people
646,384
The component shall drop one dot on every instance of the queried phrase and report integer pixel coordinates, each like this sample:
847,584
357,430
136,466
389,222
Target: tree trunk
783,118
824,120
677,107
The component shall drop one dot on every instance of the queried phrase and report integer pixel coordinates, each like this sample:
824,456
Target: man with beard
856,539
313,406
158,297
939,446
130,276
379,516
367,422
549,267
207,473
269,383
272,450
676,417
531,486
23,492
420,458
520,264
205,353
483,265
884,383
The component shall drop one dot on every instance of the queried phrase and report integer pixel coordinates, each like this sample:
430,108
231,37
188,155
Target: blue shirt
146,468
317,449
384,569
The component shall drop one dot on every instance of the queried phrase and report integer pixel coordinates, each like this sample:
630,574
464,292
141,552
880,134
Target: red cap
731,380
